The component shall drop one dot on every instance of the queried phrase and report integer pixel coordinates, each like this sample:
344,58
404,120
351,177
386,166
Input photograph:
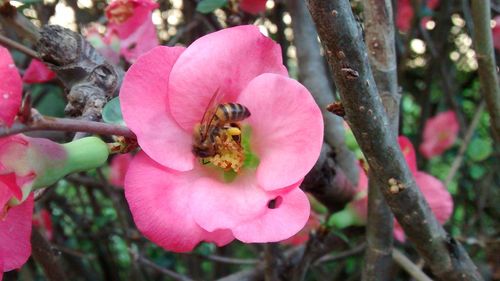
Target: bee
219,122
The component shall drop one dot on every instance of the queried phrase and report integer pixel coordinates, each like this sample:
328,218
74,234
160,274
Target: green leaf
208,6
476,171
479,149
112,112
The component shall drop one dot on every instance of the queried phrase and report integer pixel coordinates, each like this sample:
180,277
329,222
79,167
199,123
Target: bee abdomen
231,112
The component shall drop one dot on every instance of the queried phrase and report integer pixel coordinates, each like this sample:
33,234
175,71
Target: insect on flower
217,139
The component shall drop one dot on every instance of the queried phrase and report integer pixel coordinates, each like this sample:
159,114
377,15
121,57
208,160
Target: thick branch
488,75
69,125
346,54
90,79
379,37
314,75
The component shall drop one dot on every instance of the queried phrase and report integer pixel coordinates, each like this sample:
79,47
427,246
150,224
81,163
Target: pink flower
440,133
11,89
434,191
496,33
131,21
108,46
119,166
405,13
43,220
37,72
253,6
175,200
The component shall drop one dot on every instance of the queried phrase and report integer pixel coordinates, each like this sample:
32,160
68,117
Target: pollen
230,154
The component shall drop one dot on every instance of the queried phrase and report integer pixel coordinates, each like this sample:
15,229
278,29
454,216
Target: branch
314,75
488,75
347,57
333,179
91,80
379,37
69,125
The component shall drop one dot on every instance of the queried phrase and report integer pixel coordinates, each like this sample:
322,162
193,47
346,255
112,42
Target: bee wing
208,116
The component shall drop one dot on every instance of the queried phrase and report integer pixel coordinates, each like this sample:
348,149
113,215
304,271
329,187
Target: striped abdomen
230,112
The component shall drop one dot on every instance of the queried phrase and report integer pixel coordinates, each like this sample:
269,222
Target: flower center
121,13
227,148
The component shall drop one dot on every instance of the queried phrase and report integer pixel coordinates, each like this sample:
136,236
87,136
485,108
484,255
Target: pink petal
143,98
242,206
303,235
9,181
440,133
11,89
437,196
139,42
37,72
158,199
118,168
287,129
253,6
224,61
408,152
125,16
279,223
15,233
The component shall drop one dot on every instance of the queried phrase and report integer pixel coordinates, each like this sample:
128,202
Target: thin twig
409,266
229,260
17,46
349,253
465,143
69,125
488,75
170,273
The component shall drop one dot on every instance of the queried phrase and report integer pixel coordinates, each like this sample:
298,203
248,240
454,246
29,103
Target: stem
463,147
69,125
379,37
488,75
409,266
346,54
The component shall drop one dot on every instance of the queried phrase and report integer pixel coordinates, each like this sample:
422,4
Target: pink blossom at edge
131,21
11,88
496,33
253,6
37,72
405,13
440,133
43,220
118,169
177,202
434,191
